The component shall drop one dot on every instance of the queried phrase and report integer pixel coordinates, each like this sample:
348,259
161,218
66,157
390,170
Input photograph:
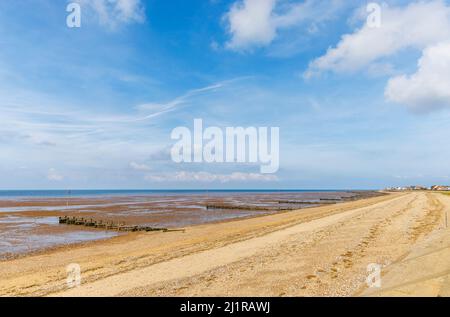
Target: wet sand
29,225
322,251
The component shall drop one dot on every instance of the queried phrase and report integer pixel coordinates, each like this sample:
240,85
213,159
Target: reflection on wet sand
30,224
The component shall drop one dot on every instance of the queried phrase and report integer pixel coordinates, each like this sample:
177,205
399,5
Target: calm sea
127,192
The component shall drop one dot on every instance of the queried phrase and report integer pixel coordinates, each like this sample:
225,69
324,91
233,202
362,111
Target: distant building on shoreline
440,188
409,188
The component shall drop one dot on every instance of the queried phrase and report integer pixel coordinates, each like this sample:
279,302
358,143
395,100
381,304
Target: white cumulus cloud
255,23
429,87
250,23
422,26
417,25
114,12
53,175
140,167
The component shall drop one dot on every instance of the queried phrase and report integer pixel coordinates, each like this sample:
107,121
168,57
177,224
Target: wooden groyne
258,208
109,225
249,208
295,202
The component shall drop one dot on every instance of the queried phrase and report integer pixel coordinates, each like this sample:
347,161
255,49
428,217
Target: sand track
320,251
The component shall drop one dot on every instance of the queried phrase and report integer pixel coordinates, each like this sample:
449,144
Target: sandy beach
320,251
30,224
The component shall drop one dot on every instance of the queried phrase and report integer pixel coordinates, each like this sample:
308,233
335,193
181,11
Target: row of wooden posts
251,208
107,225
294,202
323,201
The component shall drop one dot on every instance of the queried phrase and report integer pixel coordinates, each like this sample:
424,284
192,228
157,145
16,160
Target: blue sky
357,107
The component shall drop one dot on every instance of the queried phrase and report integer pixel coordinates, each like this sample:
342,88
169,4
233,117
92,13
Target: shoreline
320,251
117,239
140,250
112,207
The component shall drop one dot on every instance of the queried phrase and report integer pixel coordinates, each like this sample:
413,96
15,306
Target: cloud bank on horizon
357,106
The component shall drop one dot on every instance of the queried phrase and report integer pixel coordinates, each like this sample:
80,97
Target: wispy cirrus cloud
62,135
157,109
72,122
